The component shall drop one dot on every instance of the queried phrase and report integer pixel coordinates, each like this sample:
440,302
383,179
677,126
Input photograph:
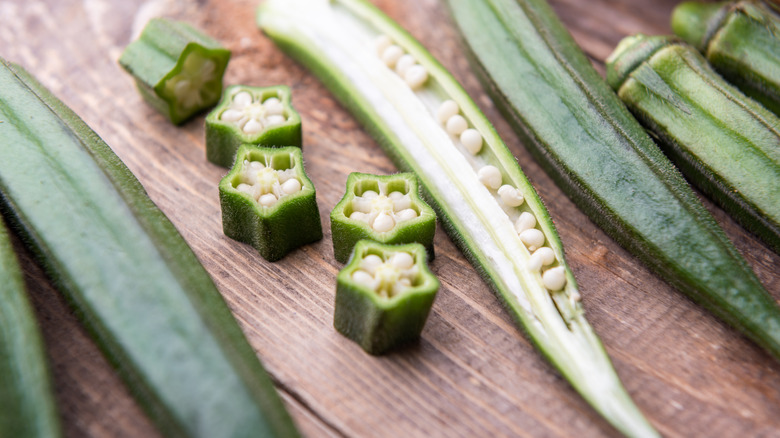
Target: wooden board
473,373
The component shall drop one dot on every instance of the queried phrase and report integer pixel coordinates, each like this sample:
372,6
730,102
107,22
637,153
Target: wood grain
473,373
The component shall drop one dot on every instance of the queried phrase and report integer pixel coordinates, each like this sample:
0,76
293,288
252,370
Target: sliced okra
178,69
384,208
384,295
251,115
268,201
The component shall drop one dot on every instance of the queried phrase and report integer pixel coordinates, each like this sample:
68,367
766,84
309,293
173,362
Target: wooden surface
473,374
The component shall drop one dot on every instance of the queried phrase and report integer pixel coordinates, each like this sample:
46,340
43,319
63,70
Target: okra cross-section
268,201
178,69
384,208
384,295
263,116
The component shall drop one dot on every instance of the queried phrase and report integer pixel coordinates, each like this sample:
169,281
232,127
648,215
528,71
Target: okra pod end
696,22
384,295
629,54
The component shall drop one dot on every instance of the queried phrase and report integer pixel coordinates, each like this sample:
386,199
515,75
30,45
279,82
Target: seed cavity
382,211
510,196
490,177
265,184
252,115
388,275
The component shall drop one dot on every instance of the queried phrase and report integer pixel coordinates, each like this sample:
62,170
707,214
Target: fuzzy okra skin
139,289
726,143
428,125
27,407
740,39
586,139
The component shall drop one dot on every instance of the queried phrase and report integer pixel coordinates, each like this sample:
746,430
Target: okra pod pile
428,125
586,139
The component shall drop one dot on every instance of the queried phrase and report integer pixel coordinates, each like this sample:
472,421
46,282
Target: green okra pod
268,201
428,125
724,142
27,407
740,39
384,295
386,209
138,287
590,144
251,115
178,69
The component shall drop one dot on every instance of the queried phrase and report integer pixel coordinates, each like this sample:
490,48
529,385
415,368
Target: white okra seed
253,126
471,140
267,200
415,76
447,109
405,215
370,263
363,278
510,196
381,43
526,221
291,186
403,64
383,222
396,195
490,176
391,55
532,239
358,216
554,278
402,203
402,260
369,194
274,120
231,115
546,255
535,263
456,124
242,99
273,106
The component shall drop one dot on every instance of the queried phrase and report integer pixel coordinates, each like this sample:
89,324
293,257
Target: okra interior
267,178
252,112
387,273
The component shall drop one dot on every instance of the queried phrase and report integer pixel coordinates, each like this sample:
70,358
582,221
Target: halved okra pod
384,208
263,116
726,143
741,40
269,202
137,286
27,407
178,69
597,152
428,125
384,295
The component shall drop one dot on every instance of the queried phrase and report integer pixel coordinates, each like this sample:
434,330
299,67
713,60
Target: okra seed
402,203
456,124
369,194
231,115
490,176
471,140
403,64
545,254
395,195
532,238
405,215
267,200
510,196
391,55
383,222
447,109
273,106
370,263
245,188
415,76
381,43
363,278
255,165
242,99
554,278
526,221
274,120
291,186
253,126
182,88
358,216
402,260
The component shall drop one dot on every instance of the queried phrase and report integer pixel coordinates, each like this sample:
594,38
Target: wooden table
473,374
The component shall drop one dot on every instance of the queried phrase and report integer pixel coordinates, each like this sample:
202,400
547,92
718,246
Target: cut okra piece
268,201
251,115
384,295
384,208
177,68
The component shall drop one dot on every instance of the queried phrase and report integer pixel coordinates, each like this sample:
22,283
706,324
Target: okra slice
741,40
136,285
27,407
384,295
268,201
428,125
263,116
726,143
384,208
178,69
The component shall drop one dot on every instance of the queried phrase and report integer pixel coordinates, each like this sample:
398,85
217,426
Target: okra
384,295
428,125
268,201
263,116
177,69
386,209
136,285
589,143
27,406
741,40
724,142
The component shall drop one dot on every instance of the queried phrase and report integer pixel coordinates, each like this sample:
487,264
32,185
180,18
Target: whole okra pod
724,142
741,40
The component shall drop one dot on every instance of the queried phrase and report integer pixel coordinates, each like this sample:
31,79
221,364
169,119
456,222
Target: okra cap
630,53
